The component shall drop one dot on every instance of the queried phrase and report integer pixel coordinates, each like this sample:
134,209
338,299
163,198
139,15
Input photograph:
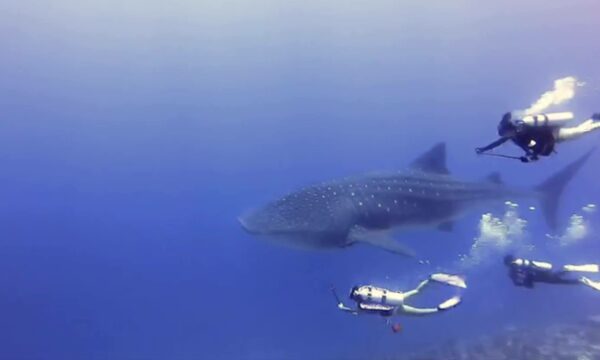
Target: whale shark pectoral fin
380,239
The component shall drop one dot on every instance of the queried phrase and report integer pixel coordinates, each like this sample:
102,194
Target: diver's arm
514,277
344,308
341,305
526,282
493,145
529,283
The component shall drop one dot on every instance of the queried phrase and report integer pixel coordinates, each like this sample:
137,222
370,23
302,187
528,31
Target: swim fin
450,303
593,284
452,280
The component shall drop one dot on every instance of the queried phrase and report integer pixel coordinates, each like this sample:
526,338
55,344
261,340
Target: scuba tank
539,265
374,295
549,119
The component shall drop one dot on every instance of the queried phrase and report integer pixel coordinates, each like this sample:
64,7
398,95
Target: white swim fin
452,280
593,284
450,303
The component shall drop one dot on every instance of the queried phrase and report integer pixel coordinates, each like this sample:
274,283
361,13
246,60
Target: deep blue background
132,134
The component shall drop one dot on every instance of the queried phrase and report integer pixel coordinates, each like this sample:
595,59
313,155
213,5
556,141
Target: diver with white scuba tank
538,134
375,300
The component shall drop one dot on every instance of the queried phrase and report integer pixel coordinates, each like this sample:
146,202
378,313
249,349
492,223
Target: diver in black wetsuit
526,273
537,135
535,141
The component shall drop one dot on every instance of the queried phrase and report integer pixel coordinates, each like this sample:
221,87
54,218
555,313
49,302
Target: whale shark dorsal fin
494,178
433,161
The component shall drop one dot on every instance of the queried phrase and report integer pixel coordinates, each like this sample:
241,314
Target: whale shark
366,208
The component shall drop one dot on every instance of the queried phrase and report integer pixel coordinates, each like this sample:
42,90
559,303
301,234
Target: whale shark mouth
254,227
246,225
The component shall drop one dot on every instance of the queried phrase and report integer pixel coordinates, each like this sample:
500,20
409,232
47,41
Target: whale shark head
264,222
314,217
308,210
275,227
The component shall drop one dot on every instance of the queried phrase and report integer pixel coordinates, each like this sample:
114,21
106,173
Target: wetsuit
528,274
535,141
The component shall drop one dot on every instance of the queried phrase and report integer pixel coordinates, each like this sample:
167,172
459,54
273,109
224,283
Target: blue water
133,134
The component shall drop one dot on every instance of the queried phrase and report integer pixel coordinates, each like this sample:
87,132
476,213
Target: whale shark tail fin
553,187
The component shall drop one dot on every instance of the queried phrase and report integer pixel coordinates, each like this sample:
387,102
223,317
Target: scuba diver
538,134
526,273
387,303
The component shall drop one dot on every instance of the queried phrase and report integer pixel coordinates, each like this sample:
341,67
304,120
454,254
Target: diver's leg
561,281
557,277
409,310
416,290
571,133
448,304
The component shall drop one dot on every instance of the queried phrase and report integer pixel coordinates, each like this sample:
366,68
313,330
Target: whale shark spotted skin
339,213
